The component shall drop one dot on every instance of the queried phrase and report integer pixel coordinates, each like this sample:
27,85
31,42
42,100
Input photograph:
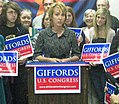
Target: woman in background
85,36
102,34
45,20
88,19
45,24
26,20
70,20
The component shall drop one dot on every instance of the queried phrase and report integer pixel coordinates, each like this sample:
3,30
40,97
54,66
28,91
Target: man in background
37,21
105,4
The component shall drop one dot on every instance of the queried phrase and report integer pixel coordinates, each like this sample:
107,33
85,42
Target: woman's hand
65,60
54,60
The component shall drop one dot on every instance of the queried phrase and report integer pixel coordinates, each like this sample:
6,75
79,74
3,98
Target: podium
58,98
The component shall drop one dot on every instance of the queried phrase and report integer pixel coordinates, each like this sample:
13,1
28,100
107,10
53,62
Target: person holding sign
115,47
105,4
102,34
2,90
10,27
88,19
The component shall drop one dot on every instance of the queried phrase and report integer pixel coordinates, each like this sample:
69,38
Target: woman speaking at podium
57,43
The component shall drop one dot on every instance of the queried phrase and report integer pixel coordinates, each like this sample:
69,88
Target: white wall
114,7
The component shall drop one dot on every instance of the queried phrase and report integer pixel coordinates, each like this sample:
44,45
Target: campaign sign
111,64
77,31
8,63
110,90
95,52
22,44
57,79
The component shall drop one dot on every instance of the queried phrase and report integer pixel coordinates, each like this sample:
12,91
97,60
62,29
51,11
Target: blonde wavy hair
102,12
51,10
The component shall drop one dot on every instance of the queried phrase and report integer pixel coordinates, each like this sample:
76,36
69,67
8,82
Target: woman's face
89,19
101,20
69,19
26,18
46,20
58,17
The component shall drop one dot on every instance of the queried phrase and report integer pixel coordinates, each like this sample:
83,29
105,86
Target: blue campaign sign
8,56
8,63
110,88
95,52
17,42
22,44
57,79
111,64
110,91
64,71
77,31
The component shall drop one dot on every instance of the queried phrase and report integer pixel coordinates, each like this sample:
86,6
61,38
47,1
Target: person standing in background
115,44
2,89
102,34
105,4
37,21
115,47
88,19
10,27
26,20
70,20
45,24
45,20
10,21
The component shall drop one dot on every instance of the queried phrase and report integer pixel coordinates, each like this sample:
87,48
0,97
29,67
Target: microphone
112,79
